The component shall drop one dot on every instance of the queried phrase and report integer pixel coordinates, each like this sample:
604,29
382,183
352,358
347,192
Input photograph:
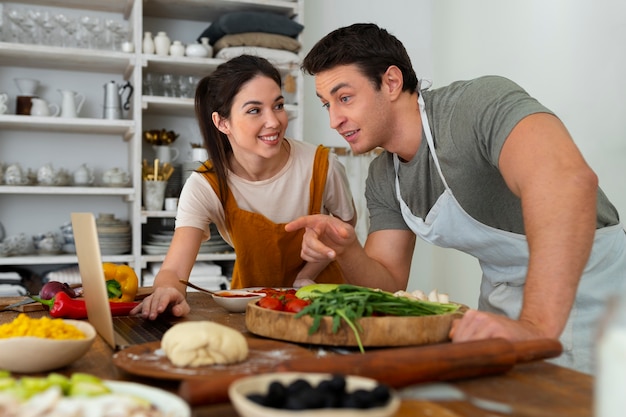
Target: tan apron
267,255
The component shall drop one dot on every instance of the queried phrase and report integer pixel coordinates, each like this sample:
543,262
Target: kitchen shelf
38,61
186,65
75,59
178,106
112,6
125,128
203,10
59,259
67,190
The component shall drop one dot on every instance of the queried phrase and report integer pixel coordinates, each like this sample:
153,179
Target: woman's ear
220,123
392,81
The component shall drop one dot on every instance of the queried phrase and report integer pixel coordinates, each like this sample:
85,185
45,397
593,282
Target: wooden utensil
195,287
400,367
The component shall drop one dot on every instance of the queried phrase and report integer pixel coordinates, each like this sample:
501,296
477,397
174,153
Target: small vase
196,50
148,43
162,44
177,49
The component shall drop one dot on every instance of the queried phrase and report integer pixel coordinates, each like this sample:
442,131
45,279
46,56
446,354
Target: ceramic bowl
259,384
36,354
235,301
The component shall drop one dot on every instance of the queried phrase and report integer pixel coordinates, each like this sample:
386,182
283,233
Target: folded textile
248,21
275,56
266,40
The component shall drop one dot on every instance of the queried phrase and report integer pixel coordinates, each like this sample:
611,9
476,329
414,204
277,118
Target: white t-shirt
281,199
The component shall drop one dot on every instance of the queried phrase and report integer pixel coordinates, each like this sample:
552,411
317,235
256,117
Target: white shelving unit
98,142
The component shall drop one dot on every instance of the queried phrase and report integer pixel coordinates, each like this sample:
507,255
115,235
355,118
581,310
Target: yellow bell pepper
121,281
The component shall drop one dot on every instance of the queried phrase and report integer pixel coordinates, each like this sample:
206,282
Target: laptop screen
92,275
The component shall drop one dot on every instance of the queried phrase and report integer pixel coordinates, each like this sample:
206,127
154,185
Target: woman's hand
160,300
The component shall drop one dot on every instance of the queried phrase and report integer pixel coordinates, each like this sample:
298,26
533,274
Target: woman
255,182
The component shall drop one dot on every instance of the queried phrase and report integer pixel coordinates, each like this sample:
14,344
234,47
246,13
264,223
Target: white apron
503,258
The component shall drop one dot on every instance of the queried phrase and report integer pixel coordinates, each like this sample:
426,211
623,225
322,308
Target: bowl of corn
33,345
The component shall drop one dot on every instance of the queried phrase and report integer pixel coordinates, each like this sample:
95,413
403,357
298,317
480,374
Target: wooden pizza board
376,331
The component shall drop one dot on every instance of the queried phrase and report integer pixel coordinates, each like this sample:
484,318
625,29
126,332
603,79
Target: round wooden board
377,331
148,359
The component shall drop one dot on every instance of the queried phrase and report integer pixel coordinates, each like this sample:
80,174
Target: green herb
351,302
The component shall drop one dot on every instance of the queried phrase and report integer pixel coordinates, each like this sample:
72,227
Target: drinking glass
169,83
69,27
92,29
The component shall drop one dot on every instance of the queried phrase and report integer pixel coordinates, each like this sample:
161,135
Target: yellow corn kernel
44,327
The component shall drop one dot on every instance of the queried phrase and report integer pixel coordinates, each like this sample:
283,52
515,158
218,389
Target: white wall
569,55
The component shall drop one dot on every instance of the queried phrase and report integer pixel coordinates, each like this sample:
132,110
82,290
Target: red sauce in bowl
235,295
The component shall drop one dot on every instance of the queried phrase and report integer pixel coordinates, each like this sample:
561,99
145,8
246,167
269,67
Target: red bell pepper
62,306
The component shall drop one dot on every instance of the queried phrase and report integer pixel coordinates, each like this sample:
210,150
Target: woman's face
258,120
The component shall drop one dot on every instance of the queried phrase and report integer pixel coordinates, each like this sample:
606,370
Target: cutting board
376,331
6,301
150,360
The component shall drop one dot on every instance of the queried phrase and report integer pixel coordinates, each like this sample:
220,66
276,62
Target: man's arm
384,263
541,164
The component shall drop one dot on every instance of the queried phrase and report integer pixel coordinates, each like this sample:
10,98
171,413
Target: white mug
171,203
3,108
41,108
166,153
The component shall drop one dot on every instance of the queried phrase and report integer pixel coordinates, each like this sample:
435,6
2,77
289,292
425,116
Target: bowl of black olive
312,395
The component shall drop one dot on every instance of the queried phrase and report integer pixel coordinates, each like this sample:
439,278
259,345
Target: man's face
357,111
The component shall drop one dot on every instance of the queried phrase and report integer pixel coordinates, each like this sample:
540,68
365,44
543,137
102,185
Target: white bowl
235,301
259,384
36,354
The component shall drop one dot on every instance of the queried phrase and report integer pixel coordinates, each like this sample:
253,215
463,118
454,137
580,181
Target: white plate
169,404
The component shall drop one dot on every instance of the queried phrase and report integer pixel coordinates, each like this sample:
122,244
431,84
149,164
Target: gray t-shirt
470,121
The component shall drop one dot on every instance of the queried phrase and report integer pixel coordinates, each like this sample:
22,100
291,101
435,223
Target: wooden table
535,389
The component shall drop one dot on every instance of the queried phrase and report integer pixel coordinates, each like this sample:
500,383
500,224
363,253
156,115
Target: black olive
338,383
257,398
276,395
381,393
297,386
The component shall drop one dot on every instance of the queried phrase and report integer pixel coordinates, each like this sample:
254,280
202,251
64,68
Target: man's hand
325,237
476,325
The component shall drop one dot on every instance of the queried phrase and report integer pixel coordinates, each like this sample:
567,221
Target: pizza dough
198,343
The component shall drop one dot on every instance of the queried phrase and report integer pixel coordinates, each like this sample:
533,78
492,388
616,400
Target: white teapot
83,175
47,175
14,175
115,177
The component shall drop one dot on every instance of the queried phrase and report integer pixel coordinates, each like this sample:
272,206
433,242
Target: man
479,166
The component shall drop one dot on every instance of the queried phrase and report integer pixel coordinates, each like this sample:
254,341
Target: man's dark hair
369,47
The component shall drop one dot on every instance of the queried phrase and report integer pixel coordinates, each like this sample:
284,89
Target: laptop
120,331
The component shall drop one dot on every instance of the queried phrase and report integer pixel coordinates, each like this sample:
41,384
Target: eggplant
51,288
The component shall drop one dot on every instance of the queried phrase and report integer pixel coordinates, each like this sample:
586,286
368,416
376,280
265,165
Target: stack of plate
159,243
114,235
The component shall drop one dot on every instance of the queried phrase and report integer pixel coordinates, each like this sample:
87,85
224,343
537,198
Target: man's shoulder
496,82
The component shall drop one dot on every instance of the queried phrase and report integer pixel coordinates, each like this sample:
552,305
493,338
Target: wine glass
46,26
20,26
94,28
69,27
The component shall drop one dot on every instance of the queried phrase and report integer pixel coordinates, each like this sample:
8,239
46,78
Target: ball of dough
198,343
